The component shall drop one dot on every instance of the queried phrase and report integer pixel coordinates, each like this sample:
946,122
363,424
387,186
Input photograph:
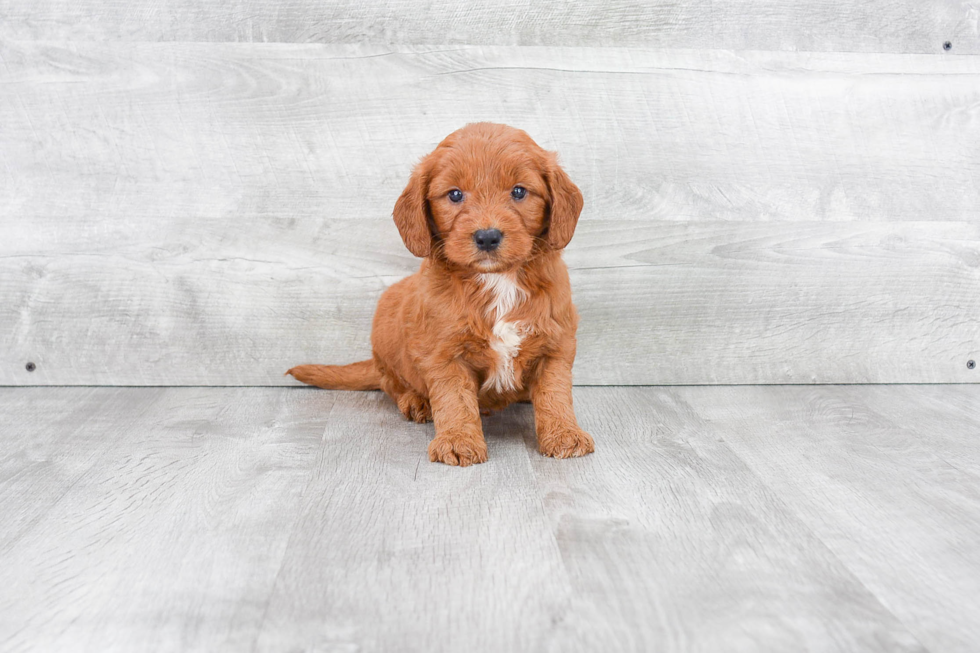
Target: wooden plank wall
906,26
776,192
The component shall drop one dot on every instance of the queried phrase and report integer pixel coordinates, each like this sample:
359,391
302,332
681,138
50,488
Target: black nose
488,239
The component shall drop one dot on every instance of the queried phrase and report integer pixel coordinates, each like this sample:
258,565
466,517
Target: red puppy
488,319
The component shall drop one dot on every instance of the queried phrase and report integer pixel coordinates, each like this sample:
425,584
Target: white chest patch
506,295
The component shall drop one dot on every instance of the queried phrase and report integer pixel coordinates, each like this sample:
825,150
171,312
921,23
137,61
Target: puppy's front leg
456,414
558,432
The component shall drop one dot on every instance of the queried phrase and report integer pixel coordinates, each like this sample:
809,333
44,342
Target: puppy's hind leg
413,406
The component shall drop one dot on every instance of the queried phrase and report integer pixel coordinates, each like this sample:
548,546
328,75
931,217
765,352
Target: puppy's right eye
455,196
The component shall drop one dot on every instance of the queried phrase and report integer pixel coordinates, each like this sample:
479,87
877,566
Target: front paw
565,442
456,448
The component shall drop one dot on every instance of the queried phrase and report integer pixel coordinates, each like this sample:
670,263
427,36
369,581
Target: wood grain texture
224,519
51,441
172,509
671,543
225,131
393,552
196,302
213,213
877,475
826,25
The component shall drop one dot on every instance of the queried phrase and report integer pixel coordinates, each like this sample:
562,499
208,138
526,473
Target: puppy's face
484,197
488,200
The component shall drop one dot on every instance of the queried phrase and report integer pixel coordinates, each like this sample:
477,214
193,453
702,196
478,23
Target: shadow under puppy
488,319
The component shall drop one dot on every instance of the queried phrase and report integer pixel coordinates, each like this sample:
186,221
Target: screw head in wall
970,364
30,367
947,46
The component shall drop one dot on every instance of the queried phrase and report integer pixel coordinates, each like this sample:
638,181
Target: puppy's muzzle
487,240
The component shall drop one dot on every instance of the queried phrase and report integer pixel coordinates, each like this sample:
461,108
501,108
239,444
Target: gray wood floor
783,518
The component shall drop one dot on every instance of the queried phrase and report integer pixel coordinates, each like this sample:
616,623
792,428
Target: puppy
488,319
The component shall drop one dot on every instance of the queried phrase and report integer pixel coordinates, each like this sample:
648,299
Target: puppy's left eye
518,193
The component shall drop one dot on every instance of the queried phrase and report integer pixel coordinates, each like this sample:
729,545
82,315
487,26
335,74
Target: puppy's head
485,198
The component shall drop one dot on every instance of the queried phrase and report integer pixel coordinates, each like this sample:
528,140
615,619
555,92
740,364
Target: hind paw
415,408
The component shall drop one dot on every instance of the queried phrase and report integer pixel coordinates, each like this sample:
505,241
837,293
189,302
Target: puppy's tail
362,375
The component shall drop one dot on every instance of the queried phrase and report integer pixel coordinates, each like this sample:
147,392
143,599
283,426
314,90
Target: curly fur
472,330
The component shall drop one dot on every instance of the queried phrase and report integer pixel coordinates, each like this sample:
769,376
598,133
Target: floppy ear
564,207
412,212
